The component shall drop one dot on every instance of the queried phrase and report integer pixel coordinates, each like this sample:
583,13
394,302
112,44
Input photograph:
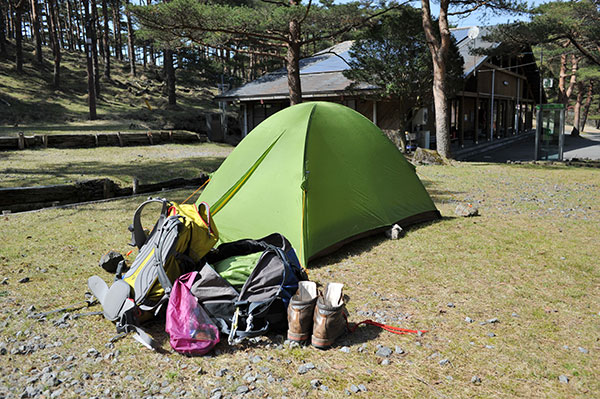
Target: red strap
392,329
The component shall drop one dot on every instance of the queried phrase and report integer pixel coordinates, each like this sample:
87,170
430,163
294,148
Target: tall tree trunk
98,29
54,42
94,32
35,16
292,60
586,107
2,30
89,58
564,90
145,56
78,24
18,17
70,25
117,29
439,54
106,42
170,76
130,42
59,25
577,109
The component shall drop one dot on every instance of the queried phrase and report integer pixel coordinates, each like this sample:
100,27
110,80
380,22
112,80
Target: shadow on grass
365,244
146,171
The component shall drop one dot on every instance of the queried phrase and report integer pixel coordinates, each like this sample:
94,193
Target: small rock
466,210
514,314
362,387
563,378
354,388
303,369
129,378
221,372
384,351
345,349
583,350
92,352
4,281
491,334
24,280
468,319
450,305
256,359
494,320
242,389
444,362
399,350
475,380
324,388
315,383
56,393
31,309
489,346
30,392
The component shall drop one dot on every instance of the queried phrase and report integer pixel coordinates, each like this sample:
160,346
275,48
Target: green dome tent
319,173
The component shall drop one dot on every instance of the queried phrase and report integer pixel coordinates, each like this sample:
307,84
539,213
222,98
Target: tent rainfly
319,173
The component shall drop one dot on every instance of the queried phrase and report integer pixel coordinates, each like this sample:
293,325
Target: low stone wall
19,199
98,140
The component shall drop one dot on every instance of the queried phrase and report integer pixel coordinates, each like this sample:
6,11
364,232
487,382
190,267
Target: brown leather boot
329,321
300,311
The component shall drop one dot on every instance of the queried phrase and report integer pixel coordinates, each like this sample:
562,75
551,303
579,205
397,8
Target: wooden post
96,140
136,185
149,134
120,139
476,135
105,189
21,141
45,140
461,121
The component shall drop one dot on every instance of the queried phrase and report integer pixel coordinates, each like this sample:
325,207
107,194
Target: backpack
260,305
182,235
190,329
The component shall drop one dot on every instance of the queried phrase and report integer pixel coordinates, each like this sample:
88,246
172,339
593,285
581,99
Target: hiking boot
329,320
300,311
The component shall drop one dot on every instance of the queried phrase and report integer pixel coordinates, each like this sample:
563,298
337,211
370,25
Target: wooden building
497,99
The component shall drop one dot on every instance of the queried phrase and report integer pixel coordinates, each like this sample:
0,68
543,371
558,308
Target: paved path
585,146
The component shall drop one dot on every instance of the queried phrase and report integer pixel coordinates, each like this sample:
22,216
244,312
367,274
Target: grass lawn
149,164
530,261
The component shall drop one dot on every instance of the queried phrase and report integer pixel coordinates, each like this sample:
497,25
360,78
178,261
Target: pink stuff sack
190,329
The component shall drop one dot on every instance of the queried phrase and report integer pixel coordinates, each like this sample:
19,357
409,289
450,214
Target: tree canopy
268,27
392,54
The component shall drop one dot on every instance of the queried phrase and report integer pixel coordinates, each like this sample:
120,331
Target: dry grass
120,164
533,253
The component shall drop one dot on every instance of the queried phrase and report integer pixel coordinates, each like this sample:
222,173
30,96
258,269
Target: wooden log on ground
71,141
9,143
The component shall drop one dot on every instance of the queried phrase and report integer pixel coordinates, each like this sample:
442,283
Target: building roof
466,43
321,75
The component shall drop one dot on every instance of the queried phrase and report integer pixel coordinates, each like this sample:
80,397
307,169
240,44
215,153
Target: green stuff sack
237,269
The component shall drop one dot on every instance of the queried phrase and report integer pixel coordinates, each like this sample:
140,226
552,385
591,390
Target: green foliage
393,55
574,26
